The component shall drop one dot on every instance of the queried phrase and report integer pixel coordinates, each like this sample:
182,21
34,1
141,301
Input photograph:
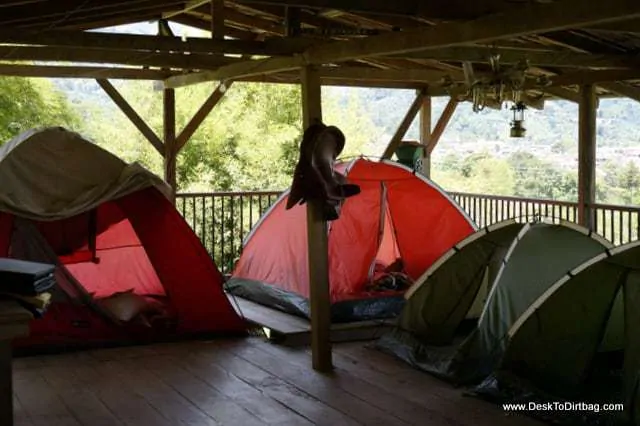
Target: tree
629,180
27,103
536,178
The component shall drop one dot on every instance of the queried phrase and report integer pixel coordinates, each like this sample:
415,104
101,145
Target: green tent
512,264
553,345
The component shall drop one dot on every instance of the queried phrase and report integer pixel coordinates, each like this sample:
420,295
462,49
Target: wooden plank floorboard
385,398
378,367
132,372
214,370
85,406
320,386
41,402
20,415
238,382
216,405
287,396
126,404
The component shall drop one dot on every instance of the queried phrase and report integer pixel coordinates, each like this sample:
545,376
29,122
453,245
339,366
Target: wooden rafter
147,43
151,59
132,115
563,93
622,90
404,125
230,72
372,74
527,20
565,58
190,5
581,46
382,7
205,25
55,71
75,11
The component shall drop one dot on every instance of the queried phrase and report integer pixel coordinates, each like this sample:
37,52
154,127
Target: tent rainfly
388,234
504,269
129,268
553,345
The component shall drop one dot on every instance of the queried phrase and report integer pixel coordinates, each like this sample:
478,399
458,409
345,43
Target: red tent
398,215
129,267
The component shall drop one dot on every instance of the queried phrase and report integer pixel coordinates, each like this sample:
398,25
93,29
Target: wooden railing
222,220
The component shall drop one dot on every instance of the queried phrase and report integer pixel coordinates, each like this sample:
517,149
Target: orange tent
399,215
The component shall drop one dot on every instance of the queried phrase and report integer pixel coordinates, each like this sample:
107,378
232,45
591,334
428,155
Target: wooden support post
404,125
587,156
425,134
317,237
170,145
132,115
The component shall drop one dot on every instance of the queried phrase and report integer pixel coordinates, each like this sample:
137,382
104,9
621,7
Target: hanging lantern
517,125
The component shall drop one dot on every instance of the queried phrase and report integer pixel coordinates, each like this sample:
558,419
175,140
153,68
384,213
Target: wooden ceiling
379,43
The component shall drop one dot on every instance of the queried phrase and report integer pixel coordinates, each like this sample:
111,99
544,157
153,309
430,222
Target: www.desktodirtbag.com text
562,406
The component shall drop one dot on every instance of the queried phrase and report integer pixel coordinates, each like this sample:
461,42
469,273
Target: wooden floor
241,382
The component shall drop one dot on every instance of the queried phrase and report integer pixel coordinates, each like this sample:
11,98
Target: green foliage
477,173
622,183
27,103
250,141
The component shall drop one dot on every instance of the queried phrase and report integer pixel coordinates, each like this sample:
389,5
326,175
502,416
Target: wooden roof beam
402,75
441,10
622,89
556,59
529,19
150,43
373,74
593,77
191,4
69,54
56,71
79,10
205,25
618,88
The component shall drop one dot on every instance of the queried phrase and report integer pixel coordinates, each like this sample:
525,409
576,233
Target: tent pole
587,156
170,145
317,240
425,134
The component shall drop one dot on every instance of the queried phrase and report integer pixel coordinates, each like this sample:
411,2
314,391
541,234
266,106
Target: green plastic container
410,154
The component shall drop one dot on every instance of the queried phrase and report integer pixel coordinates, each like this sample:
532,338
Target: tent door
481,297
388,251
